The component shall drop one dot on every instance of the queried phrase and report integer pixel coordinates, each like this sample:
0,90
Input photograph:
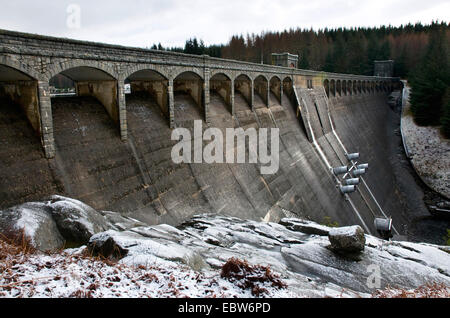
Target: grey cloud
171,22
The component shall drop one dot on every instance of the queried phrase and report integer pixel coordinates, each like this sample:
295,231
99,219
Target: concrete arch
21,67
288,87
150,81
276,87
262,87
287,77
178,72
74,64
217,74
228,74
333,88
339,87
344,88
349,87
42,122
263,76
93,78
243,83
326,85
190,82
242,76
222,84
276,77
21,87
146,67
188,74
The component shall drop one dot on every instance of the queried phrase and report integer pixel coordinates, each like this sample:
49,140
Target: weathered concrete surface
139,179
24,174
374,131
40,58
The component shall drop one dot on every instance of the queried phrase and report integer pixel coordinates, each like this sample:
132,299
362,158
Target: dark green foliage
445,120
430,81
420,53
400,68
339,50
194,46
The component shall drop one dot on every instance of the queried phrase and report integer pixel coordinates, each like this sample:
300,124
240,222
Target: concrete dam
112,150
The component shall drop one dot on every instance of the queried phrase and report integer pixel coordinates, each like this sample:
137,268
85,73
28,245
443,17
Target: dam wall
113,150
138,177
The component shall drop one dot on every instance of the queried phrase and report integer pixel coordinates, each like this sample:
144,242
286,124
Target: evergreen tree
329,62
304,59
430,81
373,51
385,51
400,69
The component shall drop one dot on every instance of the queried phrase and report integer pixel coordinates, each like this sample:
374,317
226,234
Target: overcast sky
141,23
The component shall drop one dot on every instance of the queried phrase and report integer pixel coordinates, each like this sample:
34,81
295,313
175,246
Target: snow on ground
71,274
429,152
287,260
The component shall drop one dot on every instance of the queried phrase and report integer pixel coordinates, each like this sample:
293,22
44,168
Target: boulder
347,239
76,221
33,223
105,245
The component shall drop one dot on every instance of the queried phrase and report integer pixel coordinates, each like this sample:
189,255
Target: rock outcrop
305,261
31,223
59,222
76,221
299,251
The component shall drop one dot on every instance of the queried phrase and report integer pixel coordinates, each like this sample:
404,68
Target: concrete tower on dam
112,150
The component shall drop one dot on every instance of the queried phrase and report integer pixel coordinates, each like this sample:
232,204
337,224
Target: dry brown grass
431,290
15,243
250,277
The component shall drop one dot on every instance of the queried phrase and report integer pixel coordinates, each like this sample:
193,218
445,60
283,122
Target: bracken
250,277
